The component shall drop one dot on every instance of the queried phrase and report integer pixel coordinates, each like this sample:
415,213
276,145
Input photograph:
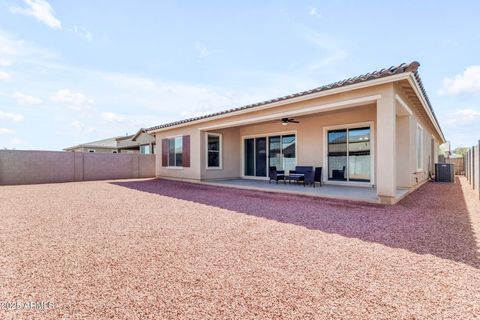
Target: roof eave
416,86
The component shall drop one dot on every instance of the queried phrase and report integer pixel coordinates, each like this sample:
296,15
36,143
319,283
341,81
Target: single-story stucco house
376,130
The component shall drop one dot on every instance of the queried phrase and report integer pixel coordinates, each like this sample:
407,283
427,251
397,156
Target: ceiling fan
285,121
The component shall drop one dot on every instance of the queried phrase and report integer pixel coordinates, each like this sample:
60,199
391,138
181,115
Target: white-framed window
145,149
175,152
214,150
419,146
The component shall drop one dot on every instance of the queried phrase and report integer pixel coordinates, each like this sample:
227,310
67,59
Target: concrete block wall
30,167
146,167
472,167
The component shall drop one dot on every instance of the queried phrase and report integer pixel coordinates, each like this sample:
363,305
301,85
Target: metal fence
472,167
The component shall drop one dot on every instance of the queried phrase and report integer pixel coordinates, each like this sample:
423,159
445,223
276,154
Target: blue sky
76,71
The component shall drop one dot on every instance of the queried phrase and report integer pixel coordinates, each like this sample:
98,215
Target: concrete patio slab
364,194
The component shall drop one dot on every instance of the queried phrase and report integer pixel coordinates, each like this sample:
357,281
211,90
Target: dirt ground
152,249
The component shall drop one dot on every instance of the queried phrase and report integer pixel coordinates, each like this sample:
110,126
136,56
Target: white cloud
116,123
81,127
113,117
82,33
170,97
11,116
25,99
197,112
6,131
467,82
462,117
14,51
5,62
40,10
73,100
314,13
331,50
202,50
4,75
16,143
77,125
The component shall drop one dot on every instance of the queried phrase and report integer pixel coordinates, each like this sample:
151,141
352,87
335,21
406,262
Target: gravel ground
154,249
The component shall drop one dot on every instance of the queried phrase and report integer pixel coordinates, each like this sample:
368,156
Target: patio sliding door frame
264,135
370,124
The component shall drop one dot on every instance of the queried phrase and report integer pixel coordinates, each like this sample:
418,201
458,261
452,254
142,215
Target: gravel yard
154,249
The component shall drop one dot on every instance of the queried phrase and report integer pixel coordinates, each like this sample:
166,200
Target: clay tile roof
393,70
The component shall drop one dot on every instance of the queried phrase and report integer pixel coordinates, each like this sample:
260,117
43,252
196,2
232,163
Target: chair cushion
303,169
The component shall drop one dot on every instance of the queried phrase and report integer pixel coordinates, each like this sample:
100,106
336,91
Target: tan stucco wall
407,174
191,173
404,156
29,167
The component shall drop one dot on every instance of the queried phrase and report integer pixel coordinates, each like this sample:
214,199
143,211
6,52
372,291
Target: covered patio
352,140
353,193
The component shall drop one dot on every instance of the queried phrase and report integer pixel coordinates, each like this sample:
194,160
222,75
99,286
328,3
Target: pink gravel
154,249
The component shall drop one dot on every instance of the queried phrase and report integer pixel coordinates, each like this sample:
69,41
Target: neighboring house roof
124,137
110,143
126,142
114,143
411,67
139,132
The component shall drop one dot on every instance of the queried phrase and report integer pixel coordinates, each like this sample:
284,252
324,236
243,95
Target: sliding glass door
359,162
337,155
288,153
260,153
349,155
249,160
261,157
275,152
255,157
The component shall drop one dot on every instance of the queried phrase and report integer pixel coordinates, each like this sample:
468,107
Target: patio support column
386,179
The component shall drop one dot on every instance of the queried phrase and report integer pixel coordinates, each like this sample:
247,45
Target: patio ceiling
295,113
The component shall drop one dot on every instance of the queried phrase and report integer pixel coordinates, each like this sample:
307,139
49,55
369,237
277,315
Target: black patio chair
275,174
338,174
318,176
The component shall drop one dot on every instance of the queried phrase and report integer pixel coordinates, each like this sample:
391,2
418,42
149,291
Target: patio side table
294,177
